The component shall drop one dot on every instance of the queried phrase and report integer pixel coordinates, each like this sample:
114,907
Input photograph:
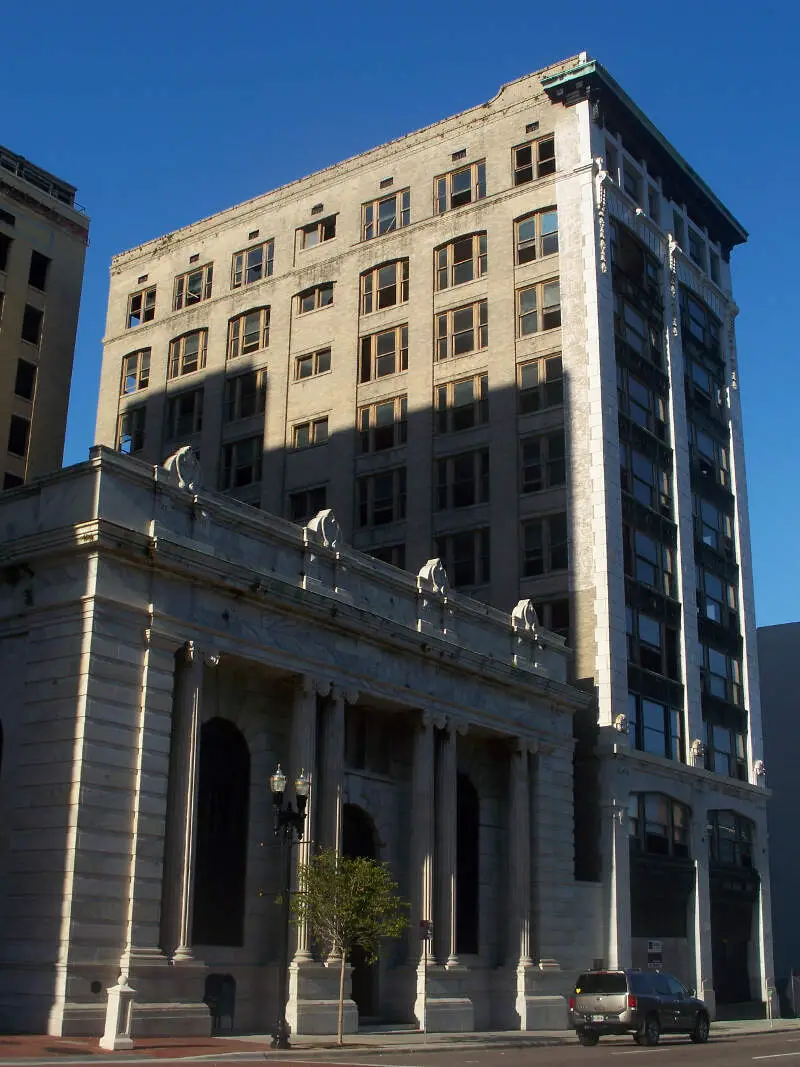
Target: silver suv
646,1004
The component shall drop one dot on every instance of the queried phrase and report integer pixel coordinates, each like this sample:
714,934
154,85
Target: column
331,774
302,752
176,916
519,857
762,967
444,927
422,865
703,965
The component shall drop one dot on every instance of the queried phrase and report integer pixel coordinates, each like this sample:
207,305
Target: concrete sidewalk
16,1049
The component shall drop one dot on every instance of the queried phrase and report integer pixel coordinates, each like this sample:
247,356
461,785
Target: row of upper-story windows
38,264
461,260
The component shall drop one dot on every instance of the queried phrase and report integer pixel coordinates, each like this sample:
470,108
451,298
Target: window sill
313,311
312,377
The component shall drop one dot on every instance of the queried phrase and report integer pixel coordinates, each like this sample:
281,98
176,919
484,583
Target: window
704,389
631,181
698,325
612,160
710,456
538,308
383,425
193,287
652,644
634,329
393,554
5,247
18,433
658,825
655,727
135,371
654,204
313,432
304,504
716,598
463,404
534,160
141,307
644,480
536,235
697,248
637,272
130,431
37,272
459,261
466,557
314,363
248,332
725,752
241,463
252,264
540,384
12,481
187,353
732,838
184,413
554,615
382,497
648,561
32,325
462,330
386,214
461,481
641,404
721,675
383,353
319,296
713,527
316,232
677,227
384,286
544,545
713,267
542,462
459,187
25,381
245,395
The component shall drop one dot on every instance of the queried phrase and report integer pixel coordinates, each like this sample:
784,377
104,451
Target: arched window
220,867
467,870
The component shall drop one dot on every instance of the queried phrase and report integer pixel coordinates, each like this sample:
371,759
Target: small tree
347,902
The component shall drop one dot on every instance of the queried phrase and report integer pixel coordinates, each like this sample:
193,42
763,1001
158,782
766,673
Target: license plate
598,1018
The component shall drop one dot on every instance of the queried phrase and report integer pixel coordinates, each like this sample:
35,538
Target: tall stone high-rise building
43,238
507,340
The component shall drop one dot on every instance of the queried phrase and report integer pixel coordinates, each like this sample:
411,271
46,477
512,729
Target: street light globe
277,782
302,785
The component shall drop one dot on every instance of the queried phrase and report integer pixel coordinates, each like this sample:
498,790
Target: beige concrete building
43,238
507,341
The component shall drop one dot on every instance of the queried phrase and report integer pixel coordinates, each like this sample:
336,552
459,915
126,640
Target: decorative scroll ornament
326,529
672,264
183,468
434,576
525,617
600,179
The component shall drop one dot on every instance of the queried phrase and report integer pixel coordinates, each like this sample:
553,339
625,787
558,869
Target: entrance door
358,839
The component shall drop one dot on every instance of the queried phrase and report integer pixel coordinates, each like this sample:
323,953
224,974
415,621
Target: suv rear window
602,982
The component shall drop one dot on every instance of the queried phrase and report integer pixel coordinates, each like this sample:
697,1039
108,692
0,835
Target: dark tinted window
675,987
662,985
602,982
641,984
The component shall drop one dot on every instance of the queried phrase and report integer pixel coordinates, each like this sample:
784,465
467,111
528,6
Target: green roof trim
594,74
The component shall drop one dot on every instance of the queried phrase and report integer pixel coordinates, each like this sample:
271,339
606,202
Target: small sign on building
654,955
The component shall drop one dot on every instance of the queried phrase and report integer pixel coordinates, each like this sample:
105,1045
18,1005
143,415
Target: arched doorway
467,867
220,866
359,839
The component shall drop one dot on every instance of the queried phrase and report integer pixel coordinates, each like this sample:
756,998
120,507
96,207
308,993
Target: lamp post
288,826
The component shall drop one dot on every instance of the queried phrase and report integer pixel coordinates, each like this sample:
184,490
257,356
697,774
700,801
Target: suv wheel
699,1033
588,1037
650,1031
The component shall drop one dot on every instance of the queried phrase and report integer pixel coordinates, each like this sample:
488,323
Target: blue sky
164,113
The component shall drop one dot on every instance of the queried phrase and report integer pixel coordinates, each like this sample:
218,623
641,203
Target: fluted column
519,856
446,847
302,754
176,913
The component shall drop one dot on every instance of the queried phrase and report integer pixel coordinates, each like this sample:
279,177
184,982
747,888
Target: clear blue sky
164,113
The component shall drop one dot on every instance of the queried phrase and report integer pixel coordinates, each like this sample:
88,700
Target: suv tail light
572,1003
631,1001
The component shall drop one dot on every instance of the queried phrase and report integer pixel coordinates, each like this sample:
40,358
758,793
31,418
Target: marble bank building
501,352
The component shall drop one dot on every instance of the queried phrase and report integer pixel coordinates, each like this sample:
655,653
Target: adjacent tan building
43,238
507,341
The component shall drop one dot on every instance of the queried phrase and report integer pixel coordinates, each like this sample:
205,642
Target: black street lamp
288,826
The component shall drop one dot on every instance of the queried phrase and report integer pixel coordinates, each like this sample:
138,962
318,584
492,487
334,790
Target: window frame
537,166
539,309
15,421
315,360
237,333
662,567
653,416
731,689
445,408
369,428
443,192
540,243
241,268
677,825
370,289
180,292
529,398
371,214
319,227
233,396
367,502
446,334
551,543
147,307
177,354
633,464
450,484
140,372
26,317
552,467
231,463
138,414
445,264
173,415
304,515
316,430
670,730
26,375
317,291
370,356
478,558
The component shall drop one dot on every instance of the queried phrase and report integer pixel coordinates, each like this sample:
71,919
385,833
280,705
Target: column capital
311,685
347,694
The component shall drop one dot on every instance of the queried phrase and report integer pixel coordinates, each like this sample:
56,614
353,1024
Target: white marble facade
162,650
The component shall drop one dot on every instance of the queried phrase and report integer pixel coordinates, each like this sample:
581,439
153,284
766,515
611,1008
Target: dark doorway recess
221,852
359,839
467,867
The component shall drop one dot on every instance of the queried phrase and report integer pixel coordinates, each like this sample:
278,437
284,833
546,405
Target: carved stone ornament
621,724
211,659
326,529
183,468
434,576
188,651
698,748
759,770
525,617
